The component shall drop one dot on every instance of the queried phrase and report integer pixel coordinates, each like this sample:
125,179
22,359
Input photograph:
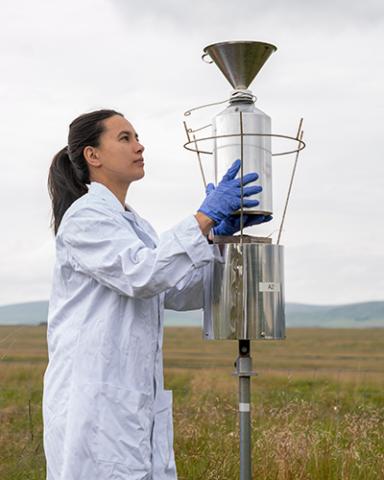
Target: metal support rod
242,175
244,371
200,164
300,134
188,131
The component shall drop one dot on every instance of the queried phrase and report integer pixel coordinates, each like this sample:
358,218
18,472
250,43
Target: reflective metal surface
257,154
240,62
244,295
240,239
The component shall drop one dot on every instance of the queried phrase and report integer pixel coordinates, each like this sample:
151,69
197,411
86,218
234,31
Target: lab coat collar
103,192
110,199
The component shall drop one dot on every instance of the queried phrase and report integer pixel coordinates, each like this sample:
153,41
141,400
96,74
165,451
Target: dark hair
69,173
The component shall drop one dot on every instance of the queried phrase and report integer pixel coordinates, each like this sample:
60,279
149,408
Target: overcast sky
61,59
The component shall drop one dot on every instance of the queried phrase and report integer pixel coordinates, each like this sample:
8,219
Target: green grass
317,405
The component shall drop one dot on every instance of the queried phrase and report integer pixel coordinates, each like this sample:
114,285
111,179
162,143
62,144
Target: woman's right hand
225,199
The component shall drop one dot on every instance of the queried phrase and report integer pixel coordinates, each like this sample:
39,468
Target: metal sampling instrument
244,294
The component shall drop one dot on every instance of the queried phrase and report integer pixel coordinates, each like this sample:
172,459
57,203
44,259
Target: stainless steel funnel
240,62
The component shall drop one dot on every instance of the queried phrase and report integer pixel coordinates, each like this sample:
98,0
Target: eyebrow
128,133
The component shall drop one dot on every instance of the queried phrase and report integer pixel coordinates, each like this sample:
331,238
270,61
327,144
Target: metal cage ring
188,145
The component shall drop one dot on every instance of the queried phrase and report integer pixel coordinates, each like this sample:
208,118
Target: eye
125,136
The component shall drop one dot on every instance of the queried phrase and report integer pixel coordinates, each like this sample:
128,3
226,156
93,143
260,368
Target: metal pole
244,372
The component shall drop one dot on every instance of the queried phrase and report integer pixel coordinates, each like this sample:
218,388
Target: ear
91,156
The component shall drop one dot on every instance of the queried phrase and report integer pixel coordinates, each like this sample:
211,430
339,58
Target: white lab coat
106,413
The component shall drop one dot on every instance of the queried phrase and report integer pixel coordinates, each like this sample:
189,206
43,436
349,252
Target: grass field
318,405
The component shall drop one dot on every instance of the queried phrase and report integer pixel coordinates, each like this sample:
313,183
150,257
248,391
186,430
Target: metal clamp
243,367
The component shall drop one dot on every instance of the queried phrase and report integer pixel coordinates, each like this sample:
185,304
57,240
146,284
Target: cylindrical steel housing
257,155
244,294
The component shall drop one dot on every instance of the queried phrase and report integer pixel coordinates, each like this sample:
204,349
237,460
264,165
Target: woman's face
119,157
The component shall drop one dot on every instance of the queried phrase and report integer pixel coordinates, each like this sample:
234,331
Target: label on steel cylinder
269,287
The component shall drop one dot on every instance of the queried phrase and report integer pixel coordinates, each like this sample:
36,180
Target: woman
106,413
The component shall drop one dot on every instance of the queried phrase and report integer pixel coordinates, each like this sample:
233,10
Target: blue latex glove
231,225
225,199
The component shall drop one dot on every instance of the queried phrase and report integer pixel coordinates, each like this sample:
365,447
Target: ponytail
69,173
64,186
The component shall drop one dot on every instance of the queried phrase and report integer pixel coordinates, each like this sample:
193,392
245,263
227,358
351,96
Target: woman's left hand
231,225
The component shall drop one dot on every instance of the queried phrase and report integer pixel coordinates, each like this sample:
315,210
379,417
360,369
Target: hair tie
67,151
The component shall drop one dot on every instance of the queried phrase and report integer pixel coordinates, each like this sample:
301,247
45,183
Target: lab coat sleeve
101,246
188,293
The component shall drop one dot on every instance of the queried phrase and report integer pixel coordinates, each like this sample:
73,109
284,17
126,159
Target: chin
139,176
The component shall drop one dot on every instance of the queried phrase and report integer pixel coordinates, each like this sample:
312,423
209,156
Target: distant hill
31,313
360,315
356,315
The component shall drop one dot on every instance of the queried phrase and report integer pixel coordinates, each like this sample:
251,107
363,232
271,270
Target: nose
140,147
